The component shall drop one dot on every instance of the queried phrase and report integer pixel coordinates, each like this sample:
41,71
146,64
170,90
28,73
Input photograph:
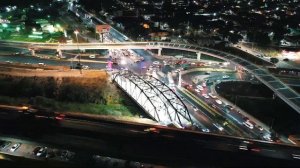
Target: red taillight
255,149
60,117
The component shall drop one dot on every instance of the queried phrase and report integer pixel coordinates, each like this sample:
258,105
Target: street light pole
76,33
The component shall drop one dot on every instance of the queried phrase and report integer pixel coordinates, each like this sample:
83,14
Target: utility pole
76,33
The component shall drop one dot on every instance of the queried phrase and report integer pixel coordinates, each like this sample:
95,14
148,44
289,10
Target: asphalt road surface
165,146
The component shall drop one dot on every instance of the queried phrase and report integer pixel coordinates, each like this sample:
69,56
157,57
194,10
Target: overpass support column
179,79
32,52
59,53
198,56
159,52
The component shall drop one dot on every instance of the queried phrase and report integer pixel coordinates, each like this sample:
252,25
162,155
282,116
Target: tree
262,38
274,60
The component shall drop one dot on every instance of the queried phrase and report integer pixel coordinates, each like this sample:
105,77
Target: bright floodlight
5,25
123,62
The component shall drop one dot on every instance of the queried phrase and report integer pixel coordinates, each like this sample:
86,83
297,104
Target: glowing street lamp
5,25
76,32
123,62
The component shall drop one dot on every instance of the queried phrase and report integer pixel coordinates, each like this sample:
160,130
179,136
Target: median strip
212,111
201,102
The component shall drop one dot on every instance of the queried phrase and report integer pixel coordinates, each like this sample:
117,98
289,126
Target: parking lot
34,151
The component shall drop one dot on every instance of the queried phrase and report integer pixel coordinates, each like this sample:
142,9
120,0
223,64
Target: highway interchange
204,109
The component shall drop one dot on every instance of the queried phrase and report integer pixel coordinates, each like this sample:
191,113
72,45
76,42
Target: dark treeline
97,5
66,90
23,3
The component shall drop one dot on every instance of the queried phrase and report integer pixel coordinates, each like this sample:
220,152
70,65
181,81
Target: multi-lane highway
147,143
193,97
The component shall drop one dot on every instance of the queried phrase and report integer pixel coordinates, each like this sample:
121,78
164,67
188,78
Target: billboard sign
102,28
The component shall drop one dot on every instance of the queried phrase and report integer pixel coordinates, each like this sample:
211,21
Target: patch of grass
100,109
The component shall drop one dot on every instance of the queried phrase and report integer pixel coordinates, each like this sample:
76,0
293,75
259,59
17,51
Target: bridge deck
286,93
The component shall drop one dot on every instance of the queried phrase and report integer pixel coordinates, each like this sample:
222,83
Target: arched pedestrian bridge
283,91
155,97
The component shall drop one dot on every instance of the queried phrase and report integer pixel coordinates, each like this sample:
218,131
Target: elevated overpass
283,91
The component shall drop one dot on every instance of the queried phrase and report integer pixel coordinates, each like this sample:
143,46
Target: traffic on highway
175,84
194,81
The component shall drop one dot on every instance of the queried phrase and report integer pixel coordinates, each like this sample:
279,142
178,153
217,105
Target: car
41,152
197,90
205,130
36,149
229,107
248,124
205,96
85,67
177,70
199,87
243,147
212,95
218,101
267,137
4,144
225,77
156,63
260,128
15,147
152,130
92,56
195,108
41,63
286,59
220,128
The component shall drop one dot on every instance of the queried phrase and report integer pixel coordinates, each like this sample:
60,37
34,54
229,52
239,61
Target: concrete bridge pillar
179,79
59,53
198,56
159,52
32,52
